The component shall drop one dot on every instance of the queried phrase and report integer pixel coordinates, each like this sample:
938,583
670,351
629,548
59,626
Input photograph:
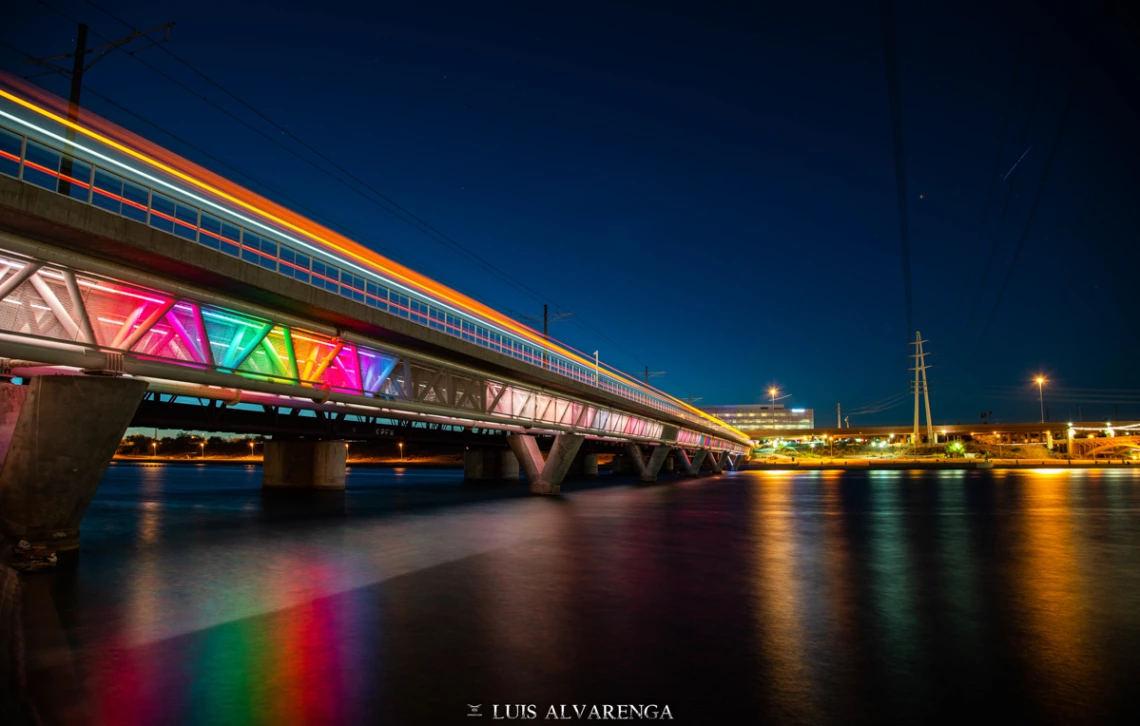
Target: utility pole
547,319
73,108
651,374
78,56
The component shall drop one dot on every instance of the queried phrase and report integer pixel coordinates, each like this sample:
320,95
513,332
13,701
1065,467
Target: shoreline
804,465
960,464
257,461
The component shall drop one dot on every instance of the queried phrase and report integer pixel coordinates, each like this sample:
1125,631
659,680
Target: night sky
711,188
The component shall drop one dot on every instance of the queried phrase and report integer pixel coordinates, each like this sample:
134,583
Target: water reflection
1052,593
814,597
778,584
893,571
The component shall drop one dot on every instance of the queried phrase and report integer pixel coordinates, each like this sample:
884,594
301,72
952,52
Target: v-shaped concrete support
691,467
545,474
647,471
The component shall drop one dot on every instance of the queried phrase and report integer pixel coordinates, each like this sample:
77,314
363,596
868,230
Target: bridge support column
545,475
669,465
584,465
490,465
691,467
714,462
647,471
620,465
304,465
57,436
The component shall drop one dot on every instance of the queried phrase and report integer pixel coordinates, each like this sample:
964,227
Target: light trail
102,131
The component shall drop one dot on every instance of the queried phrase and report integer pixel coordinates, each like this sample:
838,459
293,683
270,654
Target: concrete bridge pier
647,470
584,465
57,436
691,467
302,464
545,474
482,464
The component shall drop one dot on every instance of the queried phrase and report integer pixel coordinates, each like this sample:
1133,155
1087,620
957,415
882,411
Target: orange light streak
152,155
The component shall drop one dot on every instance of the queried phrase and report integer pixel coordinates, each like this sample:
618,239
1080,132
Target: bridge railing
49,167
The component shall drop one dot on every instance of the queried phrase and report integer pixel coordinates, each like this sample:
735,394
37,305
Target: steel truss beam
63,317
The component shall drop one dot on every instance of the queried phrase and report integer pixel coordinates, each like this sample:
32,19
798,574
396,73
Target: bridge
1082,440
136,287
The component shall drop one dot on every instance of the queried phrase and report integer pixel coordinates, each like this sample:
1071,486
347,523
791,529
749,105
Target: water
815,597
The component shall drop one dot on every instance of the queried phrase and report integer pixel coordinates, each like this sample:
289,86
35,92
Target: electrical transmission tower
920,387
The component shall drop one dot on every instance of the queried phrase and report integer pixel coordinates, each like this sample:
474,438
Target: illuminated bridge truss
56,316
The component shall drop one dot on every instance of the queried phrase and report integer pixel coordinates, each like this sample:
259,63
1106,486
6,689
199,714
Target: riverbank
826,464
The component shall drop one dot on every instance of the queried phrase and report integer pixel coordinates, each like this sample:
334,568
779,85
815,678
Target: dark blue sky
710,187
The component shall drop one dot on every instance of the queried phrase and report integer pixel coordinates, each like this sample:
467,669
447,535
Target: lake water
779,597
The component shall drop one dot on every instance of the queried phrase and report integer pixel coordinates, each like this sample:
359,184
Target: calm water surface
815,597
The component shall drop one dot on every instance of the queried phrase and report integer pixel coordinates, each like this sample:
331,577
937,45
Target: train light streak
169,171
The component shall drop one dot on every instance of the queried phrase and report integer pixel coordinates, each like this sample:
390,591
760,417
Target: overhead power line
997,158
890,48
1014,176
1037,196
376,197
246,176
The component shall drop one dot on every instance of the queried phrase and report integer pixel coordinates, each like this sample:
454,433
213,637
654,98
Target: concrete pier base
584,465
647,470
57,436
621,465
490,465
304,465
545,474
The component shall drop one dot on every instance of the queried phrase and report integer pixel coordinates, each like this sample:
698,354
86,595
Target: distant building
763,418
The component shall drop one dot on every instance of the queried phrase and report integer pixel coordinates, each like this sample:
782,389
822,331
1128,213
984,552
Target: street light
154,448
772,392
251,449
401,451
1041,395
202,446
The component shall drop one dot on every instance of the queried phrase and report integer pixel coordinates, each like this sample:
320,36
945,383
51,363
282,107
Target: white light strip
329,257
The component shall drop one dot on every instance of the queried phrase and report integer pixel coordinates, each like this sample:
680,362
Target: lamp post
251,449
154,448
401,451
1041,395
202,446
